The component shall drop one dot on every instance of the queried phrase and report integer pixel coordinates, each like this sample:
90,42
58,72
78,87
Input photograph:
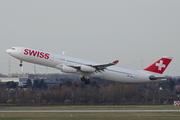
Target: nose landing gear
20,64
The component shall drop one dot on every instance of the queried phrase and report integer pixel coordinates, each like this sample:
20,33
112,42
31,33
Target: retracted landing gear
86,80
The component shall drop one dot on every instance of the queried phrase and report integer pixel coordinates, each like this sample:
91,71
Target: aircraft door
51,58
20,50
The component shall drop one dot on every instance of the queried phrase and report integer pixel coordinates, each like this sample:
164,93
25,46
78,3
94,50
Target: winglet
115,62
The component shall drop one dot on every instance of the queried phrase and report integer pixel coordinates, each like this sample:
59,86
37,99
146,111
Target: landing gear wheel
86,81
83,79
20,64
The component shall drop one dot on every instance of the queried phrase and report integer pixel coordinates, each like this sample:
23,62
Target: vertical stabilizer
160,65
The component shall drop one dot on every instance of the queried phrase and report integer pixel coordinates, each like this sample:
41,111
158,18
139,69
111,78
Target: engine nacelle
66,69
85,68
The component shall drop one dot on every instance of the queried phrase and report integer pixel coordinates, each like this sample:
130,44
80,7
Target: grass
94,115
89,116
118,107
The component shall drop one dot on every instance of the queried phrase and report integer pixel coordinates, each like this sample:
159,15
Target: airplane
89,69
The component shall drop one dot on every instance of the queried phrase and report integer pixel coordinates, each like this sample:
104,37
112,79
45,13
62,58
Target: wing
84,68
103,66
93,67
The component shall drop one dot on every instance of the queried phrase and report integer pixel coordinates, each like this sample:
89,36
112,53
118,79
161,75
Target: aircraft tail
160,65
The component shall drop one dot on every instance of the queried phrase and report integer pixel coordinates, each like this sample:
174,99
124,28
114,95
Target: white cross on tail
160,65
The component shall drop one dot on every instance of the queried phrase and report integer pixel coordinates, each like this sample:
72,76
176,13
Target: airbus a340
89,69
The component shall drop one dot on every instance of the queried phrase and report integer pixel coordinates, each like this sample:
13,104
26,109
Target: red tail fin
160,65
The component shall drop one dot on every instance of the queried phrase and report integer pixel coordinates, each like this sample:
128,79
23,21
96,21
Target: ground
90,115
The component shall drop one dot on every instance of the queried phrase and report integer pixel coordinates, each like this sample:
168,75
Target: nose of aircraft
8,50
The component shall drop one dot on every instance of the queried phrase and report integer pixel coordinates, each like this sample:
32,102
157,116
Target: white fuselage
53,60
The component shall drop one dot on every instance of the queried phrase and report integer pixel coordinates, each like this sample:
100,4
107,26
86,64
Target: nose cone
8,51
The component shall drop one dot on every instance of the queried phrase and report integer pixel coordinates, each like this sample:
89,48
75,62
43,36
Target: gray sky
97,30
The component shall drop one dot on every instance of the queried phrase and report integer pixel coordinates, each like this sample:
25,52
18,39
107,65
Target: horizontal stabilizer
152,77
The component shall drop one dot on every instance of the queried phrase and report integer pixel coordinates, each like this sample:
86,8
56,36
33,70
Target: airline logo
115,62
36,53
159,66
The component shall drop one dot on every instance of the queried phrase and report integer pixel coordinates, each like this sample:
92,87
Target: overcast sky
97,30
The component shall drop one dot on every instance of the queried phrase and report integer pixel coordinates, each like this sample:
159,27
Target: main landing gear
86,80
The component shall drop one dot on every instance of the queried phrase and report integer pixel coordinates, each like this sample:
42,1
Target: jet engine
85,68
66,69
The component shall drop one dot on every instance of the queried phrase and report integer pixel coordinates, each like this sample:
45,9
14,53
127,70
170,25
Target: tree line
97,92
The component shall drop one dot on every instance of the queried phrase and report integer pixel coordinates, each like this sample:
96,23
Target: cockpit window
13,48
